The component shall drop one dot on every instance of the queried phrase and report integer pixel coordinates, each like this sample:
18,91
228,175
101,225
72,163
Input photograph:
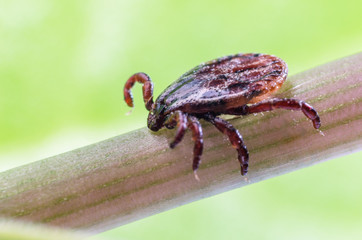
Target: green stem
135,175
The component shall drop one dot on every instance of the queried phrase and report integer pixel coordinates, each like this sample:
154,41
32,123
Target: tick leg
147,89
196,129
178,119
235,138
284,103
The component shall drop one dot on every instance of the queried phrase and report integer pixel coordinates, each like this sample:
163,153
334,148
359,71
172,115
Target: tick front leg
284,103
235,138
196,129
147,89
178,119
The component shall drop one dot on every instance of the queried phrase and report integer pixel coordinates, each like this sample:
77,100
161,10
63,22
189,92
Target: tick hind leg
235,138
147,89
284,103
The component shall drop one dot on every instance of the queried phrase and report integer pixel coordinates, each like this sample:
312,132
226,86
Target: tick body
240,84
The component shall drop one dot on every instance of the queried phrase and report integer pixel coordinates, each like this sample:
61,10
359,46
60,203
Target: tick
240,84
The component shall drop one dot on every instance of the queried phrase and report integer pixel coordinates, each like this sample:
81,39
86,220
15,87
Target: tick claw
129,112
196,176
321,133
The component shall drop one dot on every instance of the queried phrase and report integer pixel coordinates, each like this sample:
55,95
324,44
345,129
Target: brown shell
225,83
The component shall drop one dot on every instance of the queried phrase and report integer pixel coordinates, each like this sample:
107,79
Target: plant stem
135,175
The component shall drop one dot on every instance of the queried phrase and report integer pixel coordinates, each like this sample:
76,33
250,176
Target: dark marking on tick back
239,84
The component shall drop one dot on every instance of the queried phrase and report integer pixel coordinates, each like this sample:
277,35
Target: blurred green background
63,65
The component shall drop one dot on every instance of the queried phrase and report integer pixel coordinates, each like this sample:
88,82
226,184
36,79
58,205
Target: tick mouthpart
154,121
153,128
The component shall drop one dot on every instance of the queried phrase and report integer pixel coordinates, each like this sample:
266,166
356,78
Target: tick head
156,117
